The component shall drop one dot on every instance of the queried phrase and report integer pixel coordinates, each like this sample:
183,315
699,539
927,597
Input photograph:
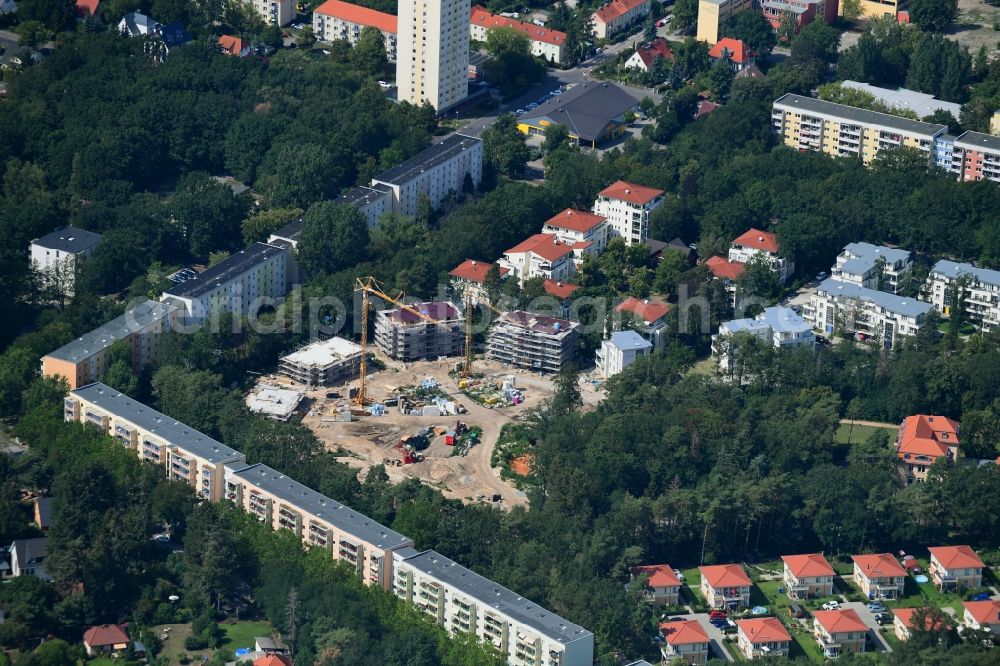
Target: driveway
873,627
715,636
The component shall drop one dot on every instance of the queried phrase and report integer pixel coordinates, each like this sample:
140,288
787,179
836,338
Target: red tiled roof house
807,576
762,637
753,242
903,622
879,576
955,566
469,278
921,441
839,631
738,52
577,227
617,15
545,43
725,586
684,640
982,615
645,56
541,255
627,207
104,639
664,588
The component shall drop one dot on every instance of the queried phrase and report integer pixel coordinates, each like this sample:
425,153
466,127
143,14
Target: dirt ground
369,440
974,26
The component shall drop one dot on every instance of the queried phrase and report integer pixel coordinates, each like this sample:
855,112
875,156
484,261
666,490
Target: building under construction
532,341
323,363
404,336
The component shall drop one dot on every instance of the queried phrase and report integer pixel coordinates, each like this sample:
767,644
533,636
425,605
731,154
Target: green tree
209,213
493,283
368,54
334,237
119,374
55,652
720,78
556,135
258,227
787,29
753,29
649,28
851,10
816,40
300,175
673,263
505,41
685,14
32,34
53,14
504,149
933,15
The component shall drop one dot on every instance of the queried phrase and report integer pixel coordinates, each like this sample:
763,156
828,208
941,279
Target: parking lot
715,635
868,618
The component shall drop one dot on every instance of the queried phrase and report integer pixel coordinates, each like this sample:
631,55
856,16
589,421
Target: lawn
242,634
692,593
859,434
102,661
706,366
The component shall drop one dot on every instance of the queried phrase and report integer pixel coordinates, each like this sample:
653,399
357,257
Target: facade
980,291
579,228
776,327
532,341
462,601
335,20
984,615
544,256
83,360
736,50
275,12
185,454
866,313
468,279
618,15
713,14
684,640
807,576
839,632
645,56
872,266
593,113
545,43
320,522
404,336
762,637
620,351
56,254
373,202
322,363
663,586
955,567
755,242
875,9
976,156
725,586
838,130
432,61
879,576
434,173
798,12
627,208
236,285
27,558
921,441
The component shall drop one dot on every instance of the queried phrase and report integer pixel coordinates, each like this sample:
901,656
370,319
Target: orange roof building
725,585
560,290
754,242
579,226
903,622
105,638
651,314
762,636
85,8
627,207
645,56
640,195
664,586
273,660
807,576
839,631
734,49
725,269
544,256
879,576
545,43
922,440
617,15
982,615
232,45
755,239
955,566
471,270
335,20
684,639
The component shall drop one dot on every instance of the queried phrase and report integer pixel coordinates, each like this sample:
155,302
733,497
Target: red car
717,615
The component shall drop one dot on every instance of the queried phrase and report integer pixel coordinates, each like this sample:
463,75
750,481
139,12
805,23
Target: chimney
627,190
760,239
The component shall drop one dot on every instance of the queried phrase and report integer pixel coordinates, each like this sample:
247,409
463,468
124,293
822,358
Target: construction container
449,438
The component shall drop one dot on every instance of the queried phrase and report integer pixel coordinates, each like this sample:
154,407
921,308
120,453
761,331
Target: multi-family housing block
621,350
83,360
683,640
797,12
921,441
184,453
618,15
545,43
663,588
725,586
976,156
983,615
879,576
776,327
468,279
762,637
839,632
403,335
56,255
275,12
809,124
462,601
713,14
433,173
872,266
645,317
953,567
432,61
532,341
627,208
980,291
335,20
320,522
322,363
580,228
807,576
867,313
373,202
544,256
238,284
753,243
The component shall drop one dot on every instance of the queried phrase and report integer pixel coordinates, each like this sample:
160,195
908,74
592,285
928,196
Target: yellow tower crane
469,310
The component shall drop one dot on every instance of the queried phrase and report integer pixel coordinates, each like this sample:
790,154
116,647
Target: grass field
859,434
241,634
102,661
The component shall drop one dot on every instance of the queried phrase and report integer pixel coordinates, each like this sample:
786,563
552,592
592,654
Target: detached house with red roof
879,576
739,54
807,576
663,586
104,639
234,46
923,440
545,43
627,207
904,622
762,637
335,20
646,55
579,227
684,640
755,242
953,567
983,615
469,278
839,632
618,15
725,586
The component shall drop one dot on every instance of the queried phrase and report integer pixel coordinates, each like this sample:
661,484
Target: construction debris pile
492,392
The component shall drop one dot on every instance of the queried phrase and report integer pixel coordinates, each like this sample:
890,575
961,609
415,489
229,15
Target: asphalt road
873,627
717,643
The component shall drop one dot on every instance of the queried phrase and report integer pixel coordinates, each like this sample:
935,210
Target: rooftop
901,305
480,16
274,401
978,140
102,337
648,312
358,14
586,109
630,340
956,557
735,49
920,103
475,271
559,289
493,596
104,635
323,353
575,220
926,435
984,612
290,231
69,239
764,630
361,196
801,104
953,270
223,272
724,268
725,575
808,566
658,48
308,500
758,240
546,246
617,8
436,310
840,621
170,430
660,575
539,323
436,155
868,254
683,632
630,192
879,565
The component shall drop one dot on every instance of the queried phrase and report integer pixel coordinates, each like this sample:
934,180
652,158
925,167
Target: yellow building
995,124
713,14
805,123
878,8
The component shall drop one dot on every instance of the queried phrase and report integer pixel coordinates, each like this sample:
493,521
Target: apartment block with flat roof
373,202
809,124
713,14
185,454
322,363
532,341
335,20
980,291
847,308
462,601
55,255
432,63
976,156
320,522
404,336
275,12
83,360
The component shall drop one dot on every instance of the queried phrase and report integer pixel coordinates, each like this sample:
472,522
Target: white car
831,605
679,575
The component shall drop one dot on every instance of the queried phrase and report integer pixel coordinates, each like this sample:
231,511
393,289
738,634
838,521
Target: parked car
679,575
662,22
831,605
717,615
883,618
982,596
730,627
876,607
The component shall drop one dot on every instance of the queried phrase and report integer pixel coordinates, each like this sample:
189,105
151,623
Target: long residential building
372,202
980,291
234,285
618,15
713,14
432,62
462,601
275,12
839,306
405,336
532,341
84,359
184,453
335,20
320,522
776,327
809,124
545,43
434,173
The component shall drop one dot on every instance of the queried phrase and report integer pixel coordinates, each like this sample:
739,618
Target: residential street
869,619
